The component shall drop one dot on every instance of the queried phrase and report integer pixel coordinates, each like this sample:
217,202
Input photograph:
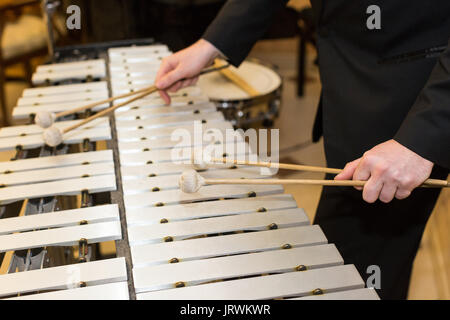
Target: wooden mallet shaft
427,183
94,104
286,166
110,109
335,183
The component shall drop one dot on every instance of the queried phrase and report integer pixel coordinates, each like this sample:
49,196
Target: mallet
53,136
298,167
190,182
45,119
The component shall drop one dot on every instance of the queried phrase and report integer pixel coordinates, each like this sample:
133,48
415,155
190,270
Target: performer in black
385,71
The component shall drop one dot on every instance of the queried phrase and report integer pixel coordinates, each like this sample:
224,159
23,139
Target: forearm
239,25
426,129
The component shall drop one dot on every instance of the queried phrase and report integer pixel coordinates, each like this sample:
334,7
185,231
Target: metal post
48,8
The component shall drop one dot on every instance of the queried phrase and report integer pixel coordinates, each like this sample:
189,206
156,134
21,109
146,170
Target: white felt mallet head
190,181
44,119
53,136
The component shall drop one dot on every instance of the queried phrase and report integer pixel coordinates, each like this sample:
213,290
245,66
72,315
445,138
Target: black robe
367,98
378,84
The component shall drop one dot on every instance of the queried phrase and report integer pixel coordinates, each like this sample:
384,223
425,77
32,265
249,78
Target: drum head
219,88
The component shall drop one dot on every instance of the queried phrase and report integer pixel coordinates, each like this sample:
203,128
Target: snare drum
237,106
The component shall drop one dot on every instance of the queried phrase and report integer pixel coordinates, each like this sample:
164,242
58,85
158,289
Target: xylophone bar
192,273
155,112
58,161
65,236
240,243
166,132
172,182
267,287
357,294
170,197
199,210
181,230
64,277
100,86
24,112
81,97
60,219
95,184
110,291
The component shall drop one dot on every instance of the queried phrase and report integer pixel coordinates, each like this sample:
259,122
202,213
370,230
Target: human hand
184,65
390,169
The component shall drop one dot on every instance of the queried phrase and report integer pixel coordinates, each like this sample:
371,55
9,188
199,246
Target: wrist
210,50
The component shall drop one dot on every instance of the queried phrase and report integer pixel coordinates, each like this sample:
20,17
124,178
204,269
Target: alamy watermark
73,21
199,146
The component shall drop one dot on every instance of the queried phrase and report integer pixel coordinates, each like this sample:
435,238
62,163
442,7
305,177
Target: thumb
347,173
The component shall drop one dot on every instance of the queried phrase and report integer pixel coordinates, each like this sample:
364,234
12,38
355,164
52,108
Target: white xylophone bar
109,291
65,236
139,60
166,132
153,101
185,92
138,57
14,131
170,197
119,83
290,284
64,66
64,277
161,144
68,97
172,182
99,86
196,272
72,137
58,219
141,155
181,230
198,210
204,248
130,68
169,121
23,112
153,48
55,174
60,75
357,294
58,161
164,169
165,111
94,184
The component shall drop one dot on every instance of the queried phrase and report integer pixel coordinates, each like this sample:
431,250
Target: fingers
175,87
388,192
348,171
167,65
402,194
372,189
165,96
362,171
169,79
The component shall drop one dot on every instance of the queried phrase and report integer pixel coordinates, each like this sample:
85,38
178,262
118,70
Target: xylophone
222,242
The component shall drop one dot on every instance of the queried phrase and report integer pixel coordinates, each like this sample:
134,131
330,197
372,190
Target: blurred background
289,44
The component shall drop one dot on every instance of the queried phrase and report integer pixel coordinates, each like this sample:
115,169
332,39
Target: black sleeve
426,129
239,24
